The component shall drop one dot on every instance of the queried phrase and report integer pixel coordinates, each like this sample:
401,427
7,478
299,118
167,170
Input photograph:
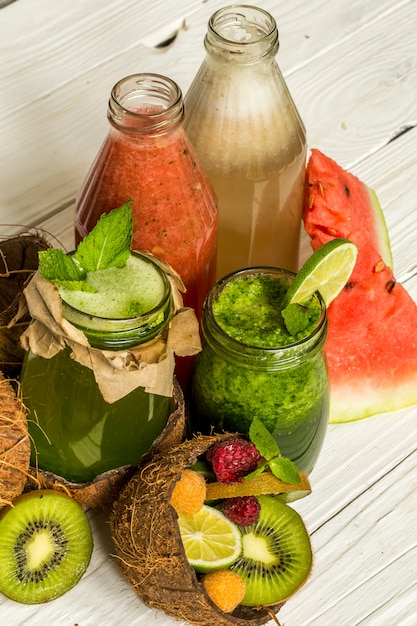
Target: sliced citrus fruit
263,484
327,271
210,540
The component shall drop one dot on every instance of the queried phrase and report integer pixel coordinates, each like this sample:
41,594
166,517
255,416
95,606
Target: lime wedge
327,271
210,540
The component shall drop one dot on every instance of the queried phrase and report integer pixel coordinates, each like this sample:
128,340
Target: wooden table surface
352,70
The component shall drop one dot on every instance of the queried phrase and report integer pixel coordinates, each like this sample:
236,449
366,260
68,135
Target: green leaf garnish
285,470
296,318
54,264
109,243
280,466
262,439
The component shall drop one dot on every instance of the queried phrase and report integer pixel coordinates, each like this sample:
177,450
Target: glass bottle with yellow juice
250,139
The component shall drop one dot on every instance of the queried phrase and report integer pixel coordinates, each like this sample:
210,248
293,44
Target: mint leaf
109,243
285,470
256,472
296,318
54,265
263,440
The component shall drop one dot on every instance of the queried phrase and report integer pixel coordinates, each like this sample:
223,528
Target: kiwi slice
276,558
45,546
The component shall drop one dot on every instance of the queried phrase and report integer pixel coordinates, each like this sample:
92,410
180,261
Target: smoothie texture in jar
252,367
250,139
148,158
77,433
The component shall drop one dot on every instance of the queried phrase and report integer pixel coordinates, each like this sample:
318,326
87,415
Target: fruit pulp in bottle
260,223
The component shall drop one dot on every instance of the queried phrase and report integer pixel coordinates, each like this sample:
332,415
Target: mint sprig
107,245
280,466
54,264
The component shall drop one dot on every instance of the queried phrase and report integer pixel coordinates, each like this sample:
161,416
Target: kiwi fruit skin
46,544
277,557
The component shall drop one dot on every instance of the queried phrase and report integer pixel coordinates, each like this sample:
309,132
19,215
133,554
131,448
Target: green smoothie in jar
252,366
88,408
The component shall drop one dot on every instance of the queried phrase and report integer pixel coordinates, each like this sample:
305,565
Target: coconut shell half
18,262
149,550
14,444
101,492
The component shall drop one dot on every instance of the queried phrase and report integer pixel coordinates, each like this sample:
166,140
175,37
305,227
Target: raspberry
243,510
225,588
233,459
189,493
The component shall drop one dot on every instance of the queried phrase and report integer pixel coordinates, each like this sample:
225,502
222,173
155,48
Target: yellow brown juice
251,141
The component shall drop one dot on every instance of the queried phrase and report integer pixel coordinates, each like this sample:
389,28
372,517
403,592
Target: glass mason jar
75,433
147,157
250,367
250,139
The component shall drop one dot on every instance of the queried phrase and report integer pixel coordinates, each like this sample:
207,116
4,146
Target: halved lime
327,271
210,540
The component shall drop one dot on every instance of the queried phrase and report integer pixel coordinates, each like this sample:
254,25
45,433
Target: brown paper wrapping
117,372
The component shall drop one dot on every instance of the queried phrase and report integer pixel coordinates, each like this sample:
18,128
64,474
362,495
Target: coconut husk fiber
18,262
149,550
101,492
14,444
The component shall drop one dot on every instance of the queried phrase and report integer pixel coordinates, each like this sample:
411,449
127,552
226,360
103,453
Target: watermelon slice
371,346
345,207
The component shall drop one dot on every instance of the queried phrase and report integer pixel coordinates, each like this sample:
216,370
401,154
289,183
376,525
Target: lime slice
210,540
327,271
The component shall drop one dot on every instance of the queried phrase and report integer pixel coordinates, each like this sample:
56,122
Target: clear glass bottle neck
146,104
242,34
120,334
254,357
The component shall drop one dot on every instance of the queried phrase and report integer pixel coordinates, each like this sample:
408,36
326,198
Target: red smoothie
173,208
147,158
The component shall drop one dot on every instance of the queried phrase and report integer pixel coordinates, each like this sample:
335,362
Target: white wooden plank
359,96
68,59
365,559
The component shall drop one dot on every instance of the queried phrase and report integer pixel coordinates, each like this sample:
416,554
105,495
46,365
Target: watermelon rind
381,229
371,348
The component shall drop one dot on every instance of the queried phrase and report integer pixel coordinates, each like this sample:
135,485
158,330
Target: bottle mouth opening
146,102
243,29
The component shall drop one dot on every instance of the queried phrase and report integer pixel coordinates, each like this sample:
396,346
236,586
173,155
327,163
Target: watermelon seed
347,191
321,189
310,201
389,286
379,267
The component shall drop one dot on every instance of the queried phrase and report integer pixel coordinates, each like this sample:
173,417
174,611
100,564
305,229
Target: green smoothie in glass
118,306
252,366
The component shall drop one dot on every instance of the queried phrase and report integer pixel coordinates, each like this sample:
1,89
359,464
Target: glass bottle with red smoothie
147,158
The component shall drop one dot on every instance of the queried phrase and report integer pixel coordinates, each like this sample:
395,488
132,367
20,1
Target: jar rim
89,323
308,342
160,97
263,36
